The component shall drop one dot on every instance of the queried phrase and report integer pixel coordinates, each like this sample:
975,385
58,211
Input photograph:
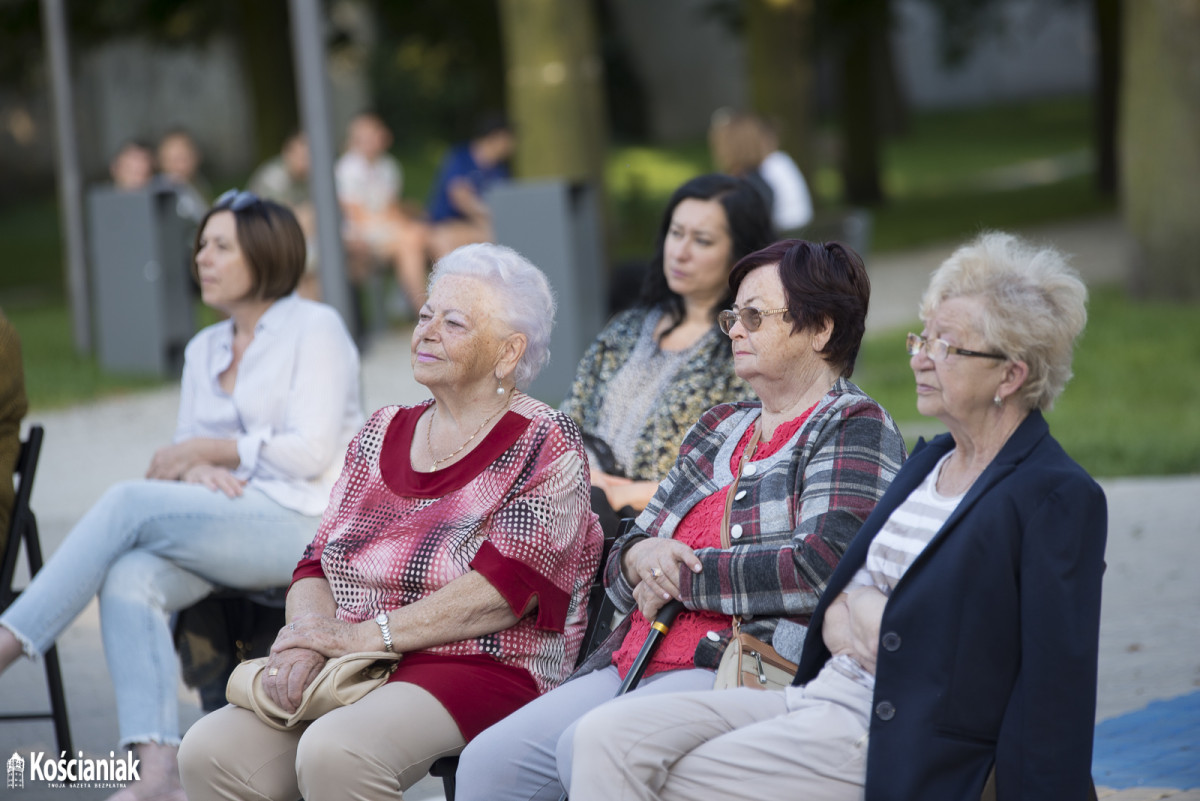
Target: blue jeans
149,548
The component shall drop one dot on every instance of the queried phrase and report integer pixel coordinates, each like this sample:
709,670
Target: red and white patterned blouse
516,510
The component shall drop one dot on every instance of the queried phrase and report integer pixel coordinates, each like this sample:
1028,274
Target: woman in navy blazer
959,631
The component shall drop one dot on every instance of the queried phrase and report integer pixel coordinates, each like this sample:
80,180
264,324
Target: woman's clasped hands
300,651
852,624
652,567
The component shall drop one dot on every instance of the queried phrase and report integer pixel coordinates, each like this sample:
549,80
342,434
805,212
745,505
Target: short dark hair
271,242
750,228
821,281
489,123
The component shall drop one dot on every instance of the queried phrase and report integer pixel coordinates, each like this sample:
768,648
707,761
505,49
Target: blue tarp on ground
1158,746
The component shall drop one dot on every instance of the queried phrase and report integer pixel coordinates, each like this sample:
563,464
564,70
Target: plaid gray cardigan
802,507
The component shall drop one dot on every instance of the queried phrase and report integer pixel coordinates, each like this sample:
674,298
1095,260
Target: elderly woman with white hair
959,632
460,535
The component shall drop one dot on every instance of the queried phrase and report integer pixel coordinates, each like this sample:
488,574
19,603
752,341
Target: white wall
1042,49
689,63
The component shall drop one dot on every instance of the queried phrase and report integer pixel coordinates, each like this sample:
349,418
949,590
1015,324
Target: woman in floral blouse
458,535
655,368
819,453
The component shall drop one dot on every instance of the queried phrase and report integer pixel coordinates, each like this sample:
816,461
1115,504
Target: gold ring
655,572
272,671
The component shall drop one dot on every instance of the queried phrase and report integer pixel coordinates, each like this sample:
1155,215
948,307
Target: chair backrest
600,608
22,525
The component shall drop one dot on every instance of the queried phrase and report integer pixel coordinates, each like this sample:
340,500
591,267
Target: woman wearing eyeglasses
270,397
819,454
959,632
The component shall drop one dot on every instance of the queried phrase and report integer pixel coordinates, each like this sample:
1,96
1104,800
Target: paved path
1148,738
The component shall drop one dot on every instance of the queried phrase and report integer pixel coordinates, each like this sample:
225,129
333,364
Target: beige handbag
342,681
748,661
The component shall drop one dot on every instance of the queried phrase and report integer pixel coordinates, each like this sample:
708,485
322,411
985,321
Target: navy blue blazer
988,645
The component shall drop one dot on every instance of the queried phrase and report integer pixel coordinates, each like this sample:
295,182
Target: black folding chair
600,623
22,529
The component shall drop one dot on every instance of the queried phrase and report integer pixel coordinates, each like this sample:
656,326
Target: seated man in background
457,211
377,229
284,179
13,406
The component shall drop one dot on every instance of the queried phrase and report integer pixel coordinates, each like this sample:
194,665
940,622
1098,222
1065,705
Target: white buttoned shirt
296,404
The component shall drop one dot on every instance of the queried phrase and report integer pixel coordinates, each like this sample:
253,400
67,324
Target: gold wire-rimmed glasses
938,349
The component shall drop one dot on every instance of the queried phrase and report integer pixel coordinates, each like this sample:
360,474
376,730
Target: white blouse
294,408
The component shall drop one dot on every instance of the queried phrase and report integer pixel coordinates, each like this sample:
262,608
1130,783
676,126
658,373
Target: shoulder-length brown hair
270,240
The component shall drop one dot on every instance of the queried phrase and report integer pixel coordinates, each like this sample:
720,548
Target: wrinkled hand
852,624
294,669
866,616
655,563
216,479
172,461
649,600
327,636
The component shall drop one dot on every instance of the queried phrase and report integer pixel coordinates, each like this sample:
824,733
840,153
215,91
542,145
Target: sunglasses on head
236,200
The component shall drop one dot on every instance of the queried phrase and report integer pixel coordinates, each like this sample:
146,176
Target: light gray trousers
805,742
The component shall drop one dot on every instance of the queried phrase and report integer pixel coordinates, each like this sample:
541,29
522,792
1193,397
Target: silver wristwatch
382,620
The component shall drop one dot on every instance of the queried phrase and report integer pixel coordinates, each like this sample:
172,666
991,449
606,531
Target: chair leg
58,701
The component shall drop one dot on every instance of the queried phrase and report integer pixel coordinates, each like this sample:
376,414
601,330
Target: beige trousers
373,749
806,743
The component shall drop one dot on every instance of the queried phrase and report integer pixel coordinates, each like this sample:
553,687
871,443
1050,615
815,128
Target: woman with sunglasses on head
810,459
656,367
959,633
269,399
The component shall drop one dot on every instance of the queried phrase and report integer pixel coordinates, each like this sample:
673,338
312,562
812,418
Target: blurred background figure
747,146
284,179
791,203
377,229
655,368
132,166
179,168
457,211
736,142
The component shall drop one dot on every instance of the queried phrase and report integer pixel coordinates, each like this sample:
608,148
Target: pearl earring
998,401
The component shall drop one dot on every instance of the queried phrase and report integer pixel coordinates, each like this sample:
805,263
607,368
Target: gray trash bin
556,225
140,276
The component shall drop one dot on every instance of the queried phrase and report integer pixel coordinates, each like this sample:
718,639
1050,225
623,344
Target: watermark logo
16,772
77,772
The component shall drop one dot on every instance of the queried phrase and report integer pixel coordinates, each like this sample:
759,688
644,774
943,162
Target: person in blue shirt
458,214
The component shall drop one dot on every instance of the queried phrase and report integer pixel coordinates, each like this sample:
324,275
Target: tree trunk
1160,146
860,104
555,88
779,46
265,42
1107,20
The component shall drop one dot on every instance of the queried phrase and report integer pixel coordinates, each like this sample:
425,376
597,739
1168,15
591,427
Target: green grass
1131,407
33,261
953,174
55,375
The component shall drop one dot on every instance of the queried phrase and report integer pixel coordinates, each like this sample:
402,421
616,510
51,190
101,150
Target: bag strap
725,538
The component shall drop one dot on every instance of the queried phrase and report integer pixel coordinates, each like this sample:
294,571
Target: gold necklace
470,439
